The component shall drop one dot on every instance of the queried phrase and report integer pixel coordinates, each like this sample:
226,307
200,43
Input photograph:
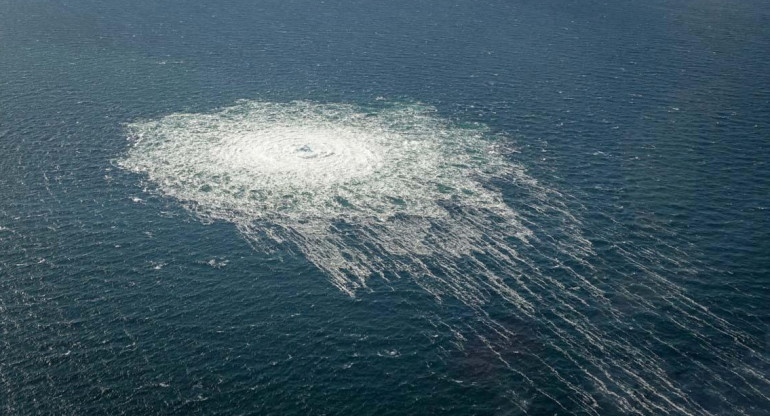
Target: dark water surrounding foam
651,120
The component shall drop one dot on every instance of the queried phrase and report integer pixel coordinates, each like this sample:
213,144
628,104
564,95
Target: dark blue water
648,122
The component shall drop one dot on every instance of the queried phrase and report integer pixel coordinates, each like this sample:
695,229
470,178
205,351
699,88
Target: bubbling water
394,191
311,161
294,171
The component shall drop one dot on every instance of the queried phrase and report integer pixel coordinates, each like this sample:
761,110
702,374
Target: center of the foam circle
305,152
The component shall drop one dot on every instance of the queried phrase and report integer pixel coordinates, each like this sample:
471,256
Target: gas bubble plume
394,191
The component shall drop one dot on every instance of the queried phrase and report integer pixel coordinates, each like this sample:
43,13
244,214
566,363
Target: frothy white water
295,172
396,191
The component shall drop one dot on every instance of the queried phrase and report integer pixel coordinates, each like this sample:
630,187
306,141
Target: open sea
497,207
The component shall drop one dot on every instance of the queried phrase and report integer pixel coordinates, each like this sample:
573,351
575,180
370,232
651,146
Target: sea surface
384,207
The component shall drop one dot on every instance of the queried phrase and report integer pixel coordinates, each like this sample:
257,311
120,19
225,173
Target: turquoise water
384,208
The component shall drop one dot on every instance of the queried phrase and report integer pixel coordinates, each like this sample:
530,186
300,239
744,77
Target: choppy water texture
289,207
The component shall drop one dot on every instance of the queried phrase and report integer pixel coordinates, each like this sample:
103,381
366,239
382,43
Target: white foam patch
304,161
394,190
294,172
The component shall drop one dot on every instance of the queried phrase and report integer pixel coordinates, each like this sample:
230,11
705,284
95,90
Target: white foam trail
395,191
